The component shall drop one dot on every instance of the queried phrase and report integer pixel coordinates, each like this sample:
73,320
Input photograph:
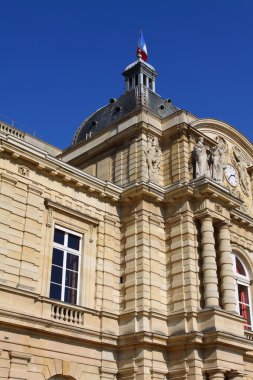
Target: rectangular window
65,272
244,306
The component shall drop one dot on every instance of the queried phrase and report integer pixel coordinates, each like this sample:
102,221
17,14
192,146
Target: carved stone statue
216,164
153,158
200,157
242,170
216,160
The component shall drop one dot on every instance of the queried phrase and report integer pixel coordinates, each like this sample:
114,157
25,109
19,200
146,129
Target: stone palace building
128,255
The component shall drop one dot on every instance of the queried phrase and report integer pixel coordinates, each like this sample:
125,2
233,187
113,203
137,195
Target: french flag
142,48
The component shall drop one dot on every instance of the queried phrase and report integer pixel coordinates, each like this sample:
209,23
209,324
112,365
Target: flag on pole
142,48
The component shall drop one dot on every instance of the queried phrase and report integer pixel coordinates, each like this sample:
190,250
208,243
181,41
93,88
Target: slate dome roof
118,109
139,97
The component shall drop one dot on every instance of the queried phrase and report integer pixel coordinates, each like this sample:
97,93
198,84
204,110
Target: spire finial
142,52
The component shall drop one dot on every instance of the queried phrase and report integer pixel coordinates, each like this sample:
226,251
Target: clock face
231,175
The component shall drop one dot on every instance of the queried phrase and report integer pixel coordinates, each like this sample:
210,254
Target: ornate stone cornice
142,189
52,167
204,188
178,191
244,220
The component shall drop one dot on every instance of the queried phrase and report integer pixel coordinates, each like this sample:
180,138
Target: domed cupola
140,93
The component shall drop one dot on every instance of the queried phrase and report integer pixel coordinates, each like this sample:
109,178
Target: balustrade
67,314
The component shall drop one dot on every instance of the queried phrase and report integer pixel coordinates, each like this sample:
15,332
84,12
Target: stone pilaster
209,263
19,363
107,373
32,235
178,374
107,293
132,160
226,269
182,260
158,374
8,240
4,364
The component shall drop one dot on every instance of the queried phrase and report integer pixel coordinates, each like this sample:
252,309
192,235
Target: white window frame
67,250
242,280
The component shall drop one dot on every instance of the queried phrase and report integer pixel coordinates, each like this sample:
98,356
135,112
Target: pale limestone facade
158,294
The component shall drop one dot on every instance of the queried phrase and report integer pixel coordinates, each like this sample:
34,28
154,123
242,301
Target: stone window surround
55,217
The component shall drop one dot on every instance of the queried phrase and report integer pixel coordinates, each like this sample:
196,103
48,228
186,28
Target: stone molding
71,212
8,178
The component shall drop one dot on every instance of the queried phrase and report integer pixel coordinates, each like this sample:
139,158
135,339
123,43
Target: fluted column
209,263
226,269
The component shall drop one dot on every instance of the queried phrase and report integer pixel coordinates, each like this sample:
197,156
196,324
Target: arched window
242,291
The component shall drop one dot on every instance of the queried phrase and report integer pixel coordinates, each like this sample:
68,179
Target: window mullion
78,274
250,306
64,274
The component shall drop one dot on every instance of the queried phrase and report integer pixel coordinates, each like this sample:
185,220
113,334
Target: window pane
55,292
56,274
243,294
59,236
73,241
71,279
239,267
72,261
57,257
245,313
70,295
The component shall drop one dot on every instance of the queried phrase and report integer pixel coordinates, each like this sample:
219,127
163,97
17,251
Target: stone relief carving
23,171
200,156
218,208
236,193
153,158
212,162
242,169
244,209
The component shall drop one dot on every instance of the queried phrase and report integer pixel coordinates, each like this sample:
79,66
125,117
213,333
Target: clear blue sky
62,59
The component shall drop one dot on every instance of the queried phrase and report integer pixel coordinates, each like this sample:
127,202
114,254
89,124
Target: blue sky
60,60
